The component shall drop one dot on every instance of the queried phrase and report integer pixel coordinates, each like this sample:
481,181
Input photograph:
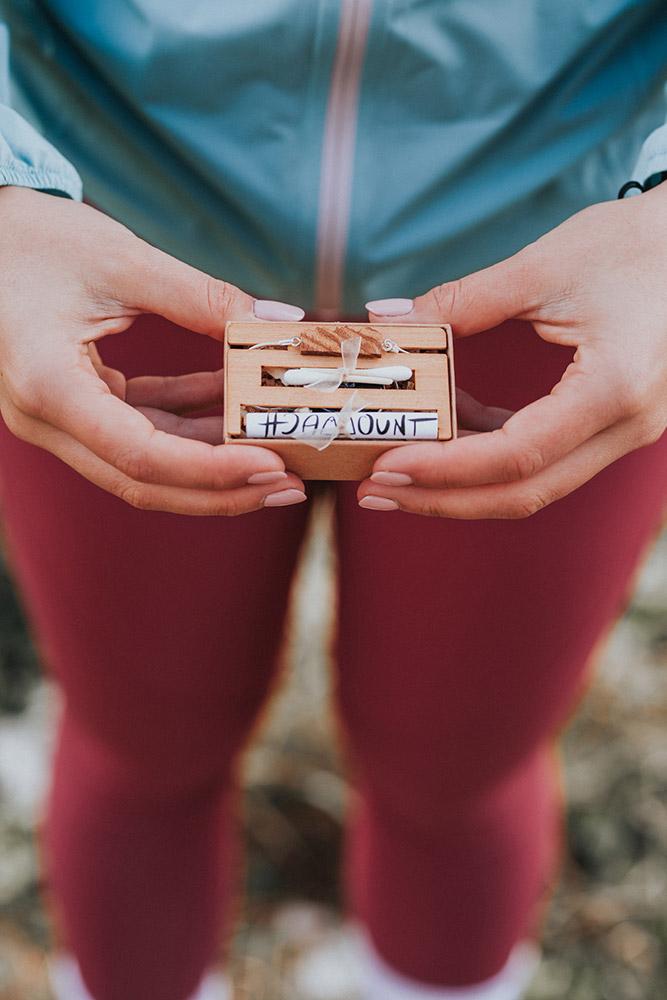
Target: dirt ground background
606,934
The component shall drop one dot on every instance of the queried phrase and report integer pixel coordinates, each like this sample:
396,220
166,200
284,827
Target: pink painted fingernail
378,503
284,498
268,309
260,478
390,307
391,479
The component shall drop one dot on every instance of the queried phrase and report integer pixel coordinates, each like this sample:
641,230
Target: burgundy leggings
462,648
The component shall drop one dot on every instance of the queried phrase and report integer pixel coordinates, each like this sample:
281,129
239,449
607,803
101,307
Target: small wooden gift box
260,409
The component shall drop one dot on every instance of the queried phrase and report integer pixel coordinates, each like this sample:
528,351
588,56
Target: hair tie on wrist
629,186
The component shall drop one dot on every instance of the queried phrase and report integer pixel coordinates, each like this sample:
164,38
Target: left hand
598,283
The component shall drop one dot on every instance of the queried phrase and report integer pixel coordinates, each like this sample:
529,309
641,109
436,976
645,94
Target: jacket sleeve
653,155
26,158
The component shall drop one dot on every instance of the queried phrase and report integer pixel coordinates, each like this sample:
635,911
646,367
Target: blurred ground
606,934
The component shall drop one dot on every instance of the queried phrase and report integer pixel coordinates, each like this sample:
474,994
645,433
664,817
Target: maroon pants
462,647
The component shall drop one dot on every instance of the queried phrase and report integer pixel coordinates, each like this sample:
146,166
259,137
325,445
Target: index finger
82,405
581,405
179,393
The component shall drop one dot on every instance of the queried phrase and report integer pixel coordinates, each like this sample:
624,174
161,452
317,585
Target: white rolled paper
390,424
364,376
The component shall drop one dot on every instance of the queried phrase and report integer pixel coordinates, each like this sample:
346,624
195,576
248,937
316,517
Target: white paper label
390,425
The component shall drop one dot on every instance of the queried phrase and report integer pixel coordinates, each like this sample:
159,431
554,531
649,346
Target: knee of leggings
428,793
168,755
164,737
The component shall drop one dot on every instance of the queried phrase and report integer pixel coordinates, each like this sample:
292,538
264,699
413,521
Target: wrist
655,200
15,191
24,192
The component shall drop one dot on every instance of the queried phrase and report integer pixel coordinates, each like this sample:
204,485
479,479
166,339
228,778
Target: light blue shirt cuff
653,156
28,160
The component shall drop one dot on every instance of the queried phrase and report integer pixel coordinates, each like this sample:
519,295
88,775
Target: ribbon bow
349,350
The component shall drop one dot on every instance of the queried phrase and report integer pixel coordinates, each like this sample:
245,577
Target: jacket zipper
340,132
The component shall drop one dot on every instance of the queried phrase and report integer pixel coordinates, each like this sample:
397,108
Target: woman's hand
598,283
70,276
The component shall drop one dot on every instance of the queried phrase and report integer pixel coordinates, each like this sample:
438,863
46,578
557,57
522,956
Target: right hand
70,276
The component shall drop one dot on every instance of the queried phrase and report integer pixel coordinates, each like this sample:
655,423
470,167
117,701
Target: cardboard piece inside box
251,386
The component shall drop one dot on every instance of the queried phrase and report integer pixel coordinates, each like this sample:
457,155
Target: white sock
67,984
380,982
214,987
65,979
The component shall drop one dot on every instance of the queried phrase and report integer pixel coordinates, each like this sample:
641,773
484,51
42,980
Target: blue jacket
331,151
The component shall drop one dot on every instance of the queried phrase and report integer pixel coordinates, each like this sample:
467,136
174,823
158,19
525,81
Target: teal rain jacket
332,151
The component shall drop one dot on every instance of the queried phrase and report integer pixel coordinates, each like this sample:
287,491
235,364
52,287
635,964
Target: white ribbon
349,350
351,408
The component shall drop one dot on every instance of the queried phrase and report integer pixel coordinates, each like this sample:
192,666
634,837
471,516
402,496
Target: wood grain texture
327,339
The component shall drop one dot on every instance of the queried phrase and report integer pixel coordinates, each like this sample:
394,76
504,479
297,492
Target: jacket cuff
653,156
28,160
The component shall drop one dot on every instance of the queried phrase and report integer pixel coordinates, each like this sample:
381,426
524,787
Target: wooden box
251,387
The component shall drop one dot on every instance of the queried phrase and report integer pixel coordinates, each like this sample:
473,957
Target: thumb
477,302
182,294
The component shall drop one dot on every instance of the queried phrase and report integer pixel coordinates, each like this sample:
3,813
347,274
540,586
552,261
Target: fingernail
260,478
284,498
378,503
391,479
268,309
390,307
